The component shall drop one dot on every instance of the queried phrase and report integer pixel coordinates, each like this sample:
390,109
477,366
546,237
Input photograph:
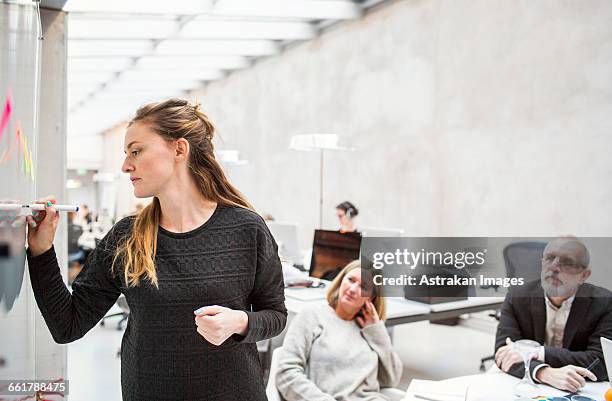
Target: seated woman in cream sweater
340,351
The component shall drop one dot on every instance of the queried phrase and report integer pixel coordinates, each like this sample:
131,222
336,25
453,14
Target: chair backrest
524,259
271,391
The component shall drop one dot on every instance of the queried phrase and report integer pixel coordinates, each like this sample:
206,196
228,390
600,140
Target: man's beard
563,290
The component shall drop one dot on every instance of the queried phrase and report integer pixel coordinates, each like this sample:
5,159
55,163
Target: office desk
499,386
399,310
471,305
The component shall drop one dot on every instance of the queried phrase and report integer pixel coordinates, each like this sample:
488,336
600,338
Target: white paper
437,391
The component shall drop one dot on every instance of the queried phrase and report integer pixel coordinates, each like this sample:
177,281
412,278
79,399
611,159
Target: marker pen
37,207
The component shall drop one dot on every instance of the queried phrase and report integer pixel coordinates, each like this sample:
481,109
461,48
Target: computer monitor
606,346
382,232
286,237
331,251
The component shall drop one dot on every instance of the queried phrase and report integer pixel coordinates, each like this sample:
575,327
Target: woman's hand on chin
369,315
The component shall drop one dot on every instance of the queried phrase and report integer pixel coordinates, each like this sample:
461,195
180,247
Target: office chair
125,313
273,394
522,259
74,233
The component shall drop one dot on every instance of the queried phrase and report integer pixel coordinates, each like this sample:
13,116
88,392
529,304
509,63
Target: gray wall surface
467,117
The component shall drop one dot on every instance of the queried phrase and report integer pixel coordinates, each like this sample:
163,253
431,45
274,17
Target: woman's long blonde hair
174,119
334,289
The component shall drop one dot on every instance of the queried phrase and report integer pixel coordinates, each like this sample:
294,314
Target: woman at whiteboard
198,267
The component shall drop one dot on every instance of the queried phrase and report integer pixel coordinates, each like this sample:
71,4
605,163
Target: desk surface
499,386
468,303
298,299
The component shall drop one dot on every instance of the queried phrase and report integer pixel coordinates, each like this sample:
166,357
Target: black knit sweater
231,260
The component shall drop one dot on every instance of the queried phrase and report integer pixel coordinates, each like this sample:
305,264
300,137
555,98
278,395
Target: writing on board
18,144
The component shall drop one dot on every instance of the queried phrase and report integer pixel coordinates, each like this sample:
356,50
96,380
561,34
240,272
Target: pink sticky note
6,115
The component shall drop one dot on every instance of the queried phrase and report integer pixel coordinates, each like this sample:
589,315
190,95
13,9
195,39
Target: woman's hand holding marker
42,227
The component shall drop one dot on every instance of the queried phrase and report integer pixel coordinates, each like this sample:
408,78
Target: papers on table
420,390
496,386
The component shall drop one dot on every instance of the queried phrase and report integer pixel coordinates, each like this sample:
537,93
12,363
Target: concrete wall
468,118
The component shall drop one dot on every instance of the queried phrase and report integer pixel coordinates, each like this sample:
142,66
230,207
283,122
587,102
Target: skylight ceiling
123,53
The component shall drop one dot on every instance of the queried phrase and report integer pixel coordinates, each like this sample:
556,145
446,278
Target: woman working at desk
346,213
340,351
198,246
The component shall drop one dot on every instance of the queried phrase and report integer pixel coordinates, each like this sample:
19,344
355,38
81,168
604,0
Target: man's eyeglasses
566,264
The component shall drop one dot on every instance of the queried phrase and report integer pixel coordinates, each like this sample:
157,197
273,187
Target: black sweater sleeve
70,315
268,314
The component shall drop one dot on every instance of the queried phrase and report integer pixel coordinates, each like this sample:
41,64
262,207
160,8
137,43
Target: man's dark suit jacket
523,316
